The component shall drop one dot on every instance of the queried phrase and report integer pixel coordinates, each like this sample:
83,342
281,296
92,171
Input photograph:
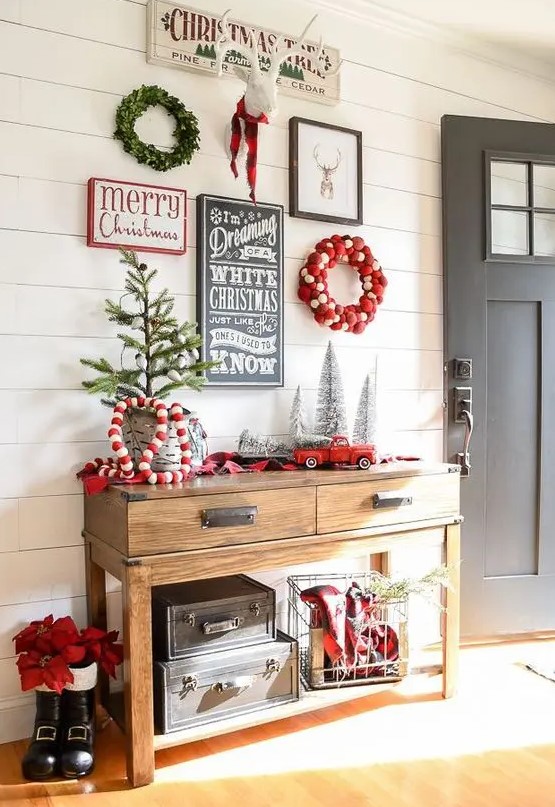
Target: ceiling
527,26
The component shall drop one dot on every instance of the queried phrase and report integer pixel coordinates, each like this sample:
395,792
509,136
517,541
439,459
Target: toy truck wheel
364,463
311,462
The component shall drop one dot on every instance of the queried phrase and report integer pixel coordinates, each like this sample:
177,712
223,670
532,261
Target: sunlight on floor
491,713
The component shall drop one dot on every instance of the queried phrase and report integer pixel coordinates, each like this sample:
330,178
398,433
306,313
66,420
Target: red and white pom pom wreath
121,467
313,283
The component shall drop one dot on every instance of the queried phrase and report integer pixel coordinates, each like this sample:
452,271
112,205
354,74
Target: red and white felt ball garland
121,467
313,283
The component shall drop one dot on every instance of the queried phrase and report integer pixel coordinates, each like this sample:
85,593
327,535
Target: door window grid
522,231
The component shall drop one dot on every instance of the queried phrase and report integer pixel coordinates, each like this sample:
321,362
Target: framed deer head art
325,172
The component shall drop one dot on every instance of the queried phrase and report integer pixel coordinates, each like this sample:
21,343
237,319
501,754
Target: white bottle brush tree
365,421
164,354
297,418
331,416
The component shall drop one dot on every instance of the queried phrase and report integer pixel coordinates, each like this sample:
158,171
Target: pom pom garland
120,467
313,286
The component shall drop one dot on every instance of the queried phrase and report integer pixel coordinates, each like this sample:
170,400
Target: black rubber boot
41,758
77,736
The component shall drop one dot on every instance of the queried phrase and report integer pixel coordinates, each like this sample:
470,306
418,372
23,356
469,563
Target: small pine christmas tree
331,416
297,417
165,352
365,421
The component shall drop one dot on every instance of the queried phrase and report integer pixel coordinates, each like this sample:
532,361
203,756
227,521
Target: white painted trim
378,16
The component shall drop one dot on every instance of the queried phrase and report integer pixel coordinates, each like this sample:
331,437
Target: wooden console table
147,536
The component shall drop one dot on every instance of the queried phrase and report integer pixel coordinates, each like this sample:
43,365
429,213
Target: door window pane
509,232
544,186
509,184
544,234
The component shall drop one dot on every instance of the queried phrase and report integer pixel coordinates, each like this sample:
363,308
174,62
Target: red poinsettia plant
47,649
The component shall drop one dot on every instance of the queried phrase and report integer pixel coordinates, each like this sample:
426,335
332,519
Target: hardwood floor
494,744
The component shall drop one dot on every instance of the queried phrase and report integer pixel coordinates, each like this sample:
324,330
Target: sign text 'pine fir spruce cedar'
240,291
186,37
149,218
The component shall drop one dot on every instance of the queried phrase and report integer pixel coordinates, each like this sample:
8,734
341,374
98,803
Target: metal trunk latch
189,619
190,684
255,608
273,665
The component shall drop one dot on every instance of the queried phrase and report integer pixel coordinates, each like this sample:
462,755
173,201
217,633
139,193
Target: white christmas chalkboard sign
240,291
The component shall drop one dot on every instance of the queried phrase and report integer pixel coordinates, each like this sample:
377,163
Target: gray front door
499,269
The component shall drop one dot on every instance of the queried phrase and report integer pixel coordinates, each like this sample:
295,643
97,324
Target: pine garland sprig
387,589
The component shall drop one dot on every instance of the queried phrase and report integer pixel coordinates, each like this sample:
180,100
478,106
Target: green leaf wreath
186,132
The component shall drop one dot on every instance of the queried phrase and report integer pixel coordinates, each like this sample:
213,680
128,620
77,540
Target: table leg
96,613
451,617
139,722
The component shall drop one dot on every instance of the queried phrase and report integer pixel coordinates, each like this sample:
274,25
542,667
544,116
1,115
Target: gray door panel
501,313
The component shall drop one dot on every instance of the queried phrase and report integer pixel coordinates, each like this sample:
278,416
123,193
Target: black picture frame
295,172
264,256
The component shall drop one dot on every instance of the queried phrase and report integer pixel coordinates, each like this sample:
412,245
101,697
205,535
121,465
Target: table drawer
391,501
198,522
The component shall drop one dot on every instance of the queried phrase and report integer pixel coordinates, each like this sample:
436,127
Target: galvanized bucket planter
139,427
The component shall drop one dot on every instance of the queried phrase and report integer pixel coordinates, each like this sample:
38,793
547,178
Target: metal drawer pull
242,682
380,501
228,517
223,626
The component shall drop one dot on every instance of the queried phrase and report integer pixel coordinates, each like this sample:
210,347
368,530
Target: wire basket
374,642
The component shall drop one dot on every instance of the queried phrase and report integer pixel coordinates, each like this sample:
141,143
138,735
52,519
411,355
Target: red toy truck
338,451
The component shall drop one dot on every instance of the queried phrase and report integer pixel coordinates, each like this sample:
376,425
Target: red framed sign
148,218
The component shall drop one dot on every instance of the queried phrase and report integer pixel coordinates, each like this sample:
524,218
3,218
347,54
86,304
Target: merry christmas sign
185,37
148,218
240,291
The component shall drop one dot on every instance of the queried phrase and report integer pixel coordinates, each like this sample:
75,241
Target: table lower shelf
309,701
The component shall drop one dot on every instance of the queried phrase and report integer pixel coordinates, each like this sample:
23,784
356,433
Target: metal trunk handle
222,627
241,682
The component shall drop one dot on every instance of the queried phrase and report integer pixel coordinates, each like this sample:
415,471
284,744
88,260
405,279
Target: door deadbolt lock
462,369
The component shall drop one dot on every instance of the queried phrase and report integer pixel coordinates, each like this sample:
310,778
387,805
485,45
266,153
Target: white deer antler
280,55
225,43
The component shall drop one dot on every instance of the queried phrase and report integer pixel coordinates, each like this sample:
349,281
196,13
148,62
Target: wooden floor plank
405,747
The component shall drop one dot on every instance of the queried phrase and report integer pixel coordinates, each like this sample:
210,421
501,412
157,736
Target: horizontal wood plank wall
62,73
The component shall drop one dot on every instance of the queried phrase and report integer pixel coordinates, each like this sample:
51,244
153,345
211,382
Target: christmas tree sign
240,291
185,37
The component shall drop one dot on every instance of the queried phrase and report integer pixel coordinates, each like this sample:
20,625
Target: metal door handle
463,457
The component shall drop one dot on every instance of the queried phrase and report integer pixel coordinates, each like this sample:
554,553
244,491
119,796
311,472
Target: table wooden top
273,480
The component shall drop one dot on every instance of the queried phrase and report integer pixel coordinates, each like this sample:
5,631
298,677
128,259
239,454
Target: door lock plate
462,401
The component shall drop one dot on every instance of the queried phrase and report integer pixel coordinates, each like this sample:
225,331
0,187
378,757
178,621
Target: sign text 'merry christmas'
145,217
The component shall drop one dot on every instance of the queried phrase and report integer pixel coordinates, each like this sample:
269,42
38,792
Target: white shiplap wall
63,69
